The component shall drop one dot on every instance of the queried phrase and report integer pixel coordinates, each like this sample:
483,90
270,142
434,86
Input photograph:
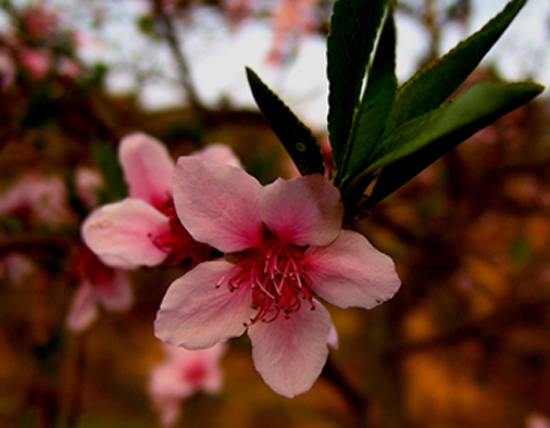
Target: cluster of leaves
382,132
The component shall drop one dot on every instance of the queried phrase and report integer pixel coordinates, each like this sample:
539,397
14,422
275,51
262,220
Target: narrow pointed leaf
479,106
297,138
353,28
428,88
105,156
375,107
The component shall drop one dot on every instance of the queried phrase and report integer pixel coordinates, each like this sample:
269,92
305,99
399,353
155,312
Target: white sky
218,54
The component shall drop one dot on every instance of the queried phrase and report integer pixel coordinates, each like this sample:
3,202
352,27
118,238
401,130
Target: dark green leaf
375,106
106,159
353,28
297,138
444,129
428,88
40,107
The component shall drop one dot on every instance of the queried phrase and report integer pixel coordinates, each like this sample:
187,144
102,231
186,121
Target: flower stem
355,400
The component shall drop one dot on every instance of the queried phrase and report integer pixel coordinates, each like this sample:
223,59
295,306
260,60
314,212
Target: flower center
276,277
179,244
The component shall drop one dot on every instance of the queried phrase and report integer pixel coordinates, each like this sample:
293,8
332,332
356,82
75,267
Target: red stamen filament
276,278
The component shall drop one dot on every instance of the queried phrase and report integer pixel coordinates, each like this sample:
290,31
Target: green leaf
375,107
297,138
422,141
106,159
353,28
431,86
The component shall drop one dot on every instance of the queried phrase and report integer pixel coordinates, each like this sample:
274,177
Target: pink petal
302,211
121,234
332,341
147,167
290,353
351,272
217,204
219,153
83,311
197,314
117,296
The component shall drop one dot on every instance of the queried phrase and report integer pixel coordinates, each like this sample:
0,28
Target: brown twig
171,37
522,312
356,401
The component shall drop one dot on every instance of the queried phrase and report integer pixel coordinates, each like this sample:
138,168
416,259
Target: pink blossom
36,62
16,268
98,286
284,246
537,421
39,23
69,68
143,229
291,19
237,10
7,70
88,182
37,198
181,375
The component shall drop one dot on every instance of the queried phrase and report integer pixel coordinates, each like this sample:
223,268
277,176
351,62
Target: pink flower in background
98,286
39,23
88,183
291,20
7,70
537,421
283,245
143,229
16,268
36,62
37,198
181,375
237,10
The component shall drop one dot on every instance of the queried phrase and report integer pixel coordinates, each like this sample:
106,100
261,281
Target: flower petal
195,313
351,272
121,234
332,342
117,295
217,204
147,167
290,353
302,211
219,153
83,311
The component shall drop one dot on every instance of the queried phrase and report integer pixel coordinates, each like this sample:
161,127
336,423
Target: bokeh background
466,341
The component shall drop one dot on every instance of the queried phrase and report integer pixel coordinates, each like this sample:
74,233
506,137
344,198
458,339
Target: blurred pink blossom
237,10
291,20
38,23
69,68
36,62
88,182
16,268
284,245
143,229
181,375
37,198
7,70
537,421
98,286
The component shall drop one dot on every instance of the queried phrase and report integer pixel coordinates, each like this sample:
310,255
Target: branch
34,243
356,401
520,313
174,44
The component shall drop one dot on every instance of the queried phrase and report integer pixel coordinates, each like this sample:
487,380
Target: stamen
276,279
